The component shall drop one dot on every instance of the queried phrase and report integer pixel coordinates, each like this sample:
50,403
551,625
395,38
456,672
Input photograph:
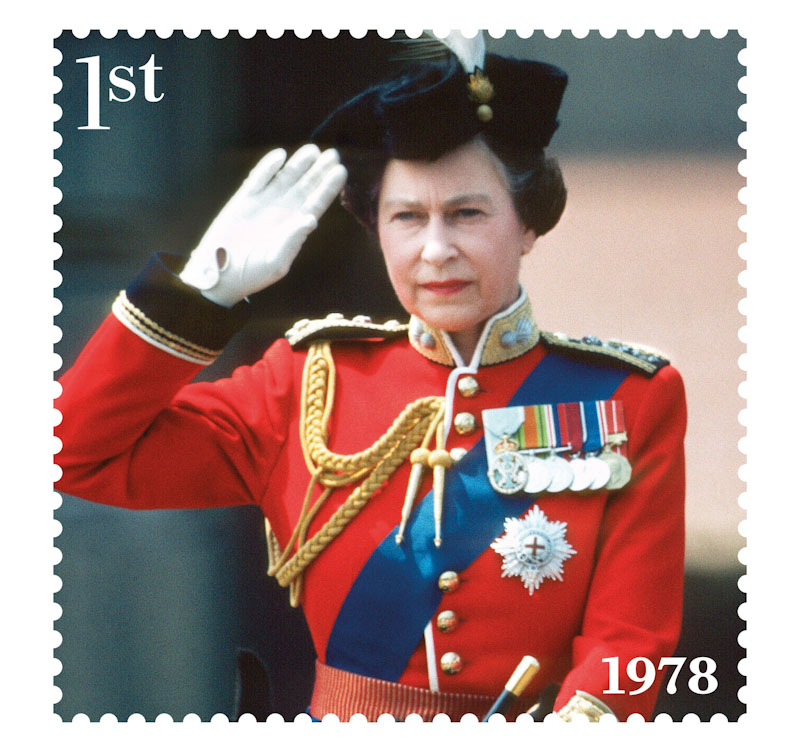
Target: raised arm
256,237
134,432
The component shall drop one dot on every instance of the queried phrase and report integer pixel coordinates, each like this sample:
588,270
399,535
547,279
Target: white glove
255,238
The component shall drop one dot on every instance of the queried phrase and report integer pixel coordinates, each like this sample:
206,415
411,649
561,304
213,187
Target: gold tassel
439,460
419,459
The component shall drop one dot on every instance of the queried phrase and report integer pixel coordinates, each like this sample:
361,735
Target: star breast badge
534,549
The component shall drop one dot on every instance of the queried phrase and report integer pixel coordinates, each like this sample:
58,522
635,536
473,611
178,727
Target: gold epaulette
336,326
644,359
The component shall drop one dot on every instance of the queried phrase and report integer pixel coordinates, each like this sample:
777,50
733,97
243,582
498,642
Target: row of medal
557,447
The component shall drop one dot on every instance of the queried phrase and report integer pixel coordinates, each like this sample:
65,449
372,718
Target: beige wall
647,251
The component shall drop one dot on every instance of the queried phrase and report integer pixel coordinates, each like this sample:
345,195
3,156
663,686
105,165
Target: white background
27,280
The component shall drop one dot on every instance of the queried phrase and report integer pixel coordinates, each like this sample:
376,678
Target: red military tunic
136,433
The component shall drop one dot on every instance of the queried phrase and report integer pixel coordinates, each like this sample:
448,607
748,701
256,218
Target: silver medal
581,477
561,473
599,470
539,476
508,472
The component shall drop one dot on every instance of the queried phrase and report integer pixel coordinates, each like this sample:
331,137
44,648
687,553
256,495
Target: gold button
449,581
458,453
446,621
464,423
451,663
467,386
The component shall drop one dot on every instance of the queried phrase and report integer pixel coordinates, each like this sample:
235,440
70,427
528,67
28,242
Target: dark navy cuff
172,306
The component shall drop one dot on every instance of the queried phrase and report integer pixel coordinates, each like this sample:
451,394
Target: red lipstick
449,287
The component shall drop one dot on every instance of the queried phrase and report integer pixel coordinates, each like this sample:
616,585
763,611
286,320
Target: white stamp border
771,154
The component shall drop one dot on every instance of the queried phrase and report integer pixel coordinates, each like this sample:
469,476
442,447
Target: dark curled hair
535,182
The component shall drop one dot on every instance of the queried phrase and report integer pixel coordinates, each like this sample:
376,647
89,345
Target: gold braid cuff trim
135,319
414,427
583,704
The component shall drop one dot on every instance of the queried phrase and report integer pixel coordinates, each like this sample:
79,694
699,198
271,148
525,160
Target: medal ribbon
602,419
549,420
613,418
504,426
593,436
557,434
535,427
572,416
545,427
563,427
383,617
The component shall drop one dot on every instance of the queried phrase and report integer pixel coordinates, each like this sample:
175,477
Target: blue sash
396,593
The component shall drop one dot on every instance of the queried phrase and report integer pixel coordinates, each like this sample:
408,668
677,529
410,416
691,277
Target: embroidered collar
506,335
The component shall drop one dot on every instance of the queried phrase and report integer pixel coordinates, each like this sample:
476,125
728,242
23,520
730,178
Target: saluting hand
255,238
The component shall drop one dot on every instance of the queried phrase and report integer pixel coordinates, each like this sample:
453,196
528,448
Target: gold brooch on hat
481,91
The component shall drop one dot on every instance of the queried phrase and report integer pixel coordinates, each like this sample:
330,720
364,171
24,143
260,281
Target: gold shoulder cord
411,431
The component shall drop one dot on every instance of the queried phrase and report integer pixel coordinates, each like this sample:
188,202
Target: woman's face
451,238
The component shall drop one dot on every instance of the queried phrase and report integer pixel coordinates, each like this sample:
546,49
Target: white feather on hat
469,52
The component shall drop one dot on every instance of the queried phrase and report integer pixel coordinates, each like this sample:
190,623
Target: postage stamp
400,375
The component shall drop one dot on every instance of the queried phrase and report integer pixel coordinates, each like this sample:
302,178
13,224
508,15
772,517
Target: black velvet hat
433,106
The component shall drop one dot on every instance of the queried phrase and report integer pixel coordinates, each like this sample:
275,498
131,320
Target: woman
443,497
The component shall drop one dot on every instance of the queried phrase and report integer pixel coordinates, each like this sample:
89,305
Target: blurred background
157,605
